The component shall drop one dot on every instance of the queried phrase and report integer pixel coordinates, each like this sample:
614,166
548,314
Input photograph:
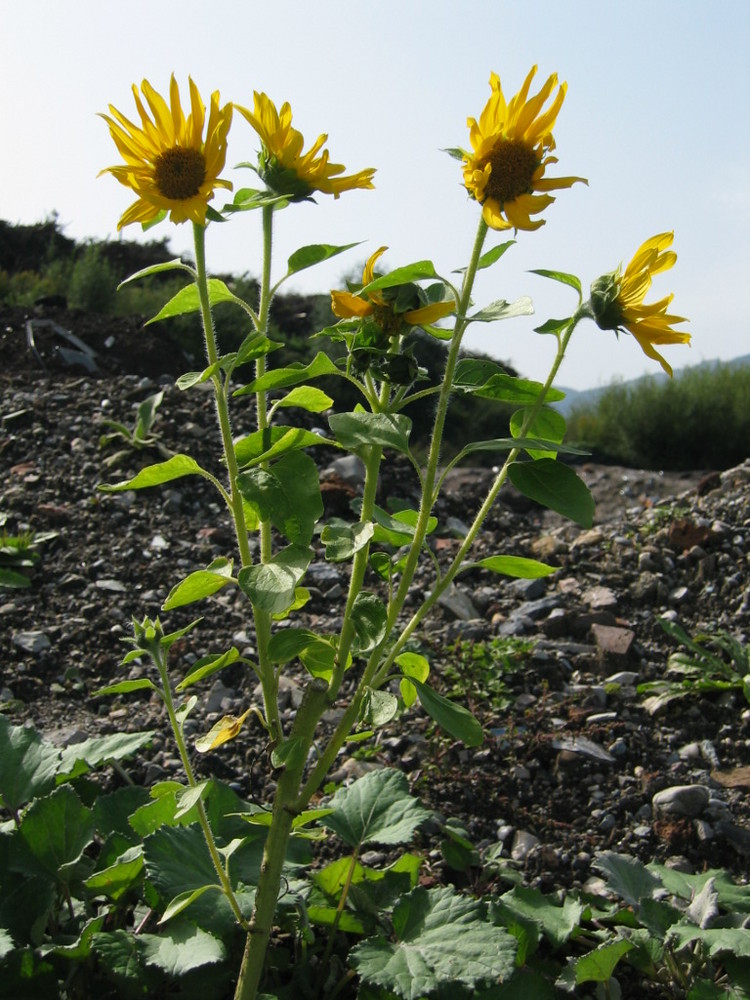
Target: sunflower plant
269,484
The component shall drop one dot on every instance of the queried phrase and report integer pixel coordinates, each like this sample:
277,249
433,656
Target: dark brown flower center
179,173
513,166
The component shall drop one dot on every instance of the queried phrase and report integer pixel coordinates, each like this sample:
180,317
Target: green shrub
93,282
698,420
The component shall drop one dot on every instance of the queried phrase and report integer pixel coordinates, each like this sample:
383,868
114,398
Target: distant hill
580,399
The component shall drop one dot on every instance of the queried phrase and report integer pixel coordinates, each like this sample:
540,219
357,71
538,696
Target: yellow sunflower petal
226,729
346,305
426,315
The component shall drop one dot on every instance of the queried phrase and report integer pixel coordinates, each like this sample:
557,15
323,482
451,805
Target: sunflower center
179,172
513,165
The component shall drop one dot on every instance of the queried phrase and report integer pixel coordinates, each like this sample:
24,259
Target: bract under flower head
617,300
384,308
169,163
282,164
511,144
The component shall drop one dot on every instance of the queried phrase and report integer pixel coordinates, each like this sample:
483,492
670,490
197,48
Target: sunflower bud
604,304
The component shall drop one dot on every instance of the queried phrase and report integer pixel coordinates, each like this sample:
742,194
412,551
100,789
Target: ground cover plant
203,870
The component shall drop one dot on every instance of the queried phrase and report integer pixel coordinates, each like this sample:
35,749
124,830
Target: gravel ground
573,756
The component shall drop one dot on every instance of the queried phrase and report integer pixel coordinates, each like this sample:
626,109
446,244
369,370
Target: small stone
591,537
600,598
681,800
458,603
31,642
613,642
523,844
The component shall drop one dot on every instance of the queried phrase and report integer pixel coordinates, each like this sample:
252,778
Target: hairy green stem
314,702
161,665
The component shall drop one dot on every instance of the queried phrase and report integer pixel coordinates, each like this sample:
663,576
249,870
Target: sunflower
168,163
617,300
511,144
282,164
403,304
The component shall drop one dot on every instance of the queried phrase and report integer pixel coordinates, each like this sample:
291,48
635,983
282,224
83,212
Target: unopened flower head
391,308
511,147
283,165
617,300
169,162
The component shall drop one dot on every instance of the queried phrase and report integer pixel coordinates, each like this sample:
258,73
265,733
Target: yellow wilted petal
226,729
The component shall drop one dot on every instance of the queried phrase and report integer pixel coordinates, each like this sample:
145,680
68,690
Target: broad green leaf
154,475
555,486
518,566
314,254
368,617
376,809
528,444
169,265
454,719
13,581
295,374
561,276
471,373
78,758
177,860
288,494
319,659
187,300
289,753
28,765
162,810
200,584
288,643
628,877
271,586
57,829
116,879
342,538
403,275
557,922
509,389
490,256
307,397
119,952
181,949
357,430
127,687
441,940
208,665
503,310
262,446
547,424
556,326
377,708
597,966
412,665
733,941
184,899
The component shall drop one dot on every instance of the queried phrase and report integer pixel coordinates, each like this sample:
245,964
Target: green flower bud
605,306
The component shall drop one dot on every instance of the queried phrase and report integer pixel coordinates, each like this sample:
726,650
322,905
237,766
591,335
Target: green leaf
556,326
547,424
187,300
412,665
314,254
116,879
628,877
78,758
169,265
295,374
488,258
288,494
441,940
509,389
56,829
403,275
555,486
307,397
357,430
288,643
557,922
597,966
369,618
208,665
377,708
566,279
271,586
127,687
342,538
181,949
183,900
525,569
200,584
13,581
28,765
262,446
503,310
376,809
471,373
454,719
154,475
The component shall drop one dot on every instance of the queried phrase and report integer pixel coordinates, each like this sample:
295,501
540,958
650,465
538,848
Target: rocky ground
573,755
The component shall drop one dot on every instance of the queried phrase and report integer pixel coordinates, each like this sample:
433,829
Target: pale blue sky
656,117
